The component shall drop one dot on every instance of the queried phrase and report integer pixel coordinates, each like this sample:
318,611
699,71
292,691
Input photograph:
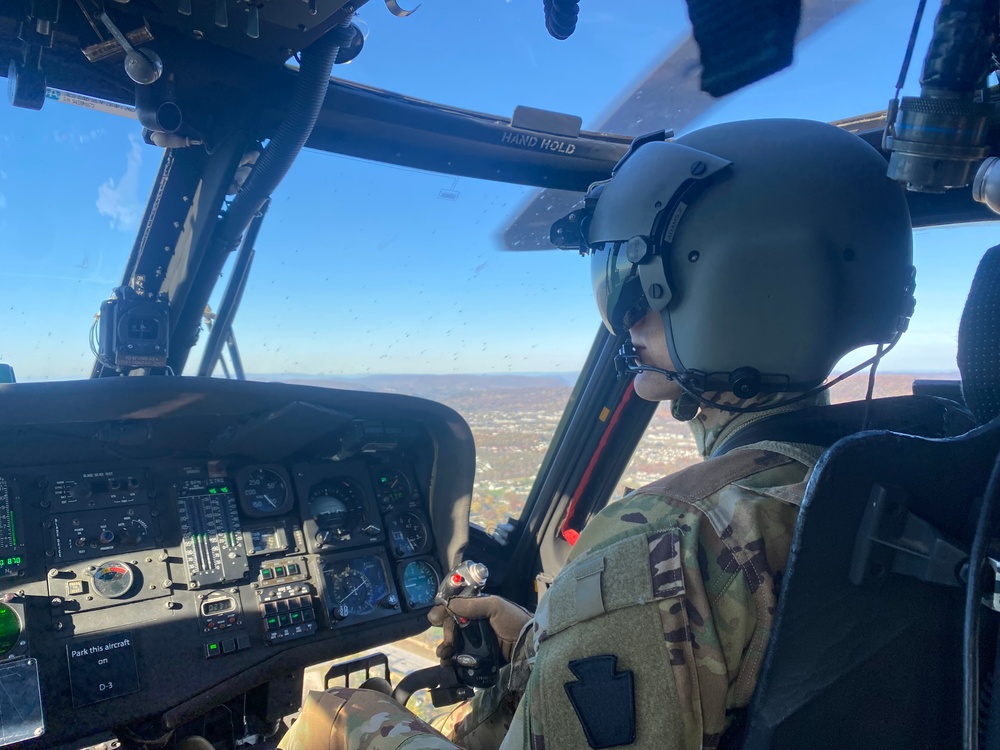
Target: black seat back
876,662
979,340
876,665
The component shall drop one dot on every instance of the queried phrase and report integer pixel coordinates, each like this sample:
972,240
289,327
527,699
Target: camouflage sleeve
354,719
483,722
343,718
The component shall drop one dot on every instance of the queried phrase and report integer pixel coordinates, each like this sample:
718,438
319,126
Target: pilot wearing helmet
745,260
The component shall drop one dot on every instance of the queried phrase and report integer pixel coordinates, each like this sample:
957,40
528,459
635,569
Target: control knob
132,532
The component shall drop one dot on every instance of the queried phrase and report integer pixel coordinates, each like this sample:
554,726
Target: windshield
379,277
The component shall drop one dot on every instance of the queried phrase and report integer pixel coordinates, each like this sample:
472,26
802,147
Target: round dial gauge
391,488
264,492
420,582
114,579
355,587
10,629
337,505
408,534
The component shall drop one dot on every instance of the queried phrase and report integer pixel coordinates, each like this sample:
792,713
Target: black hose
560,17
311,86
958,58
973,608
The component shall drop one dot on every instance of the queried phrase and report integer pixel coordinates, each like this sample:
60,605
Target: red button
457,578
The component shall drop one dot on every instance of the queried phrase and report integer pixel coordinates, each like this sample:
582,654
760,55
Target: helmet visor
617,287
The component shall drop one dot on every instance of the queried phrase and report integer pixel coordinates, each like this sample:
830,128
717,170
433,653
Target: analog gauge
355,587
420,582
264,492
10,629
391,488
408,534
114,579
337,506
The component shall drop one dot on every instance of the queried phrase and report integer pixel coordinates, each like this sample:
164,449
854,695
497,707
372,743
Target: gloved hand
506,619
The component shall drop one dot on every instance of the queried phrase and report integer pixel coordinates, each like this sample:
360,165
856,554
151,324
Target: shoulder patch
604,700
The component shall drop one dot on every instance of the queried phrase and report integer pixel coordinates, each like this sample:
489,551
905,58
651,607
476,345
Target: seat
867,642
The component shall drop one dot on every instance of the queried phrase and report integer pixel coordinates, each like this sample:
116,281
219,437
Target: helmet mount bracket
653,277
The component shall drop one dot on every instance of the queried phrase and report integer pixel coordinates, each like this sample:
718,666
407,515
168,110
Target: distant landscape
513,418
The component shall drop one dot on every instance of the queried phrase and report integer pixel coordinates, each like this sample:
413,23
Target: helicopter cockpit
176,548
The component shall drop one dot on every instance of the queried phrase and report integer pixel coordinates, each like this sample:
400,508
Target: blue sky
366,268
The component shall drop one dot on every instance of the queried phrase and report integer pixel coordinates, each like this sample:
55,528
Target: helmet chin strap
627,363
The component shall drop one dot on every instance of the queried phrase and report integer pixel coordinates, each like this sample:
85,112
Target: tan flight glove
506,619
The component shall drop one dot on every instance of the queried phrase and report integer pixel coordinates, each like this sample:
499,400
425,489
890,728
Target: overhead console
168,543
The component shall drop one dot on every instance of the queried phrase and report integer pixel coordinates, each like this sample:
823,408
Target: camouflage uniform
671,591
360,720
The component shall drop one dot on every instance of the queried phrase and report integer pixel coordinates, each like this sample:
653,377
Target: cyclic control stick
477,651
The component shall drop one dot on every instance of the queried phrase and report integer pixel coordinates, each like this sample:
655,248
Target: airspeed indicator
264,491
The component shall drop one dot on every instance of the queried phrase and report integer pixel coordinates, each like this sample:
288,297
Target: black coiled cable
958,58
560,17
985,529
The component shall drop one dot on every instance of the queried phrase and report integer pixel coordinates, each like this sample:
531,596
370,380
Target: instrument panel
159,574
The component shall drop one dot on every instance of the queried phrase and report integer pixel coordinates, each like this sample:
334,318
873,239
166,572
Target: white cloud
119,200
66,138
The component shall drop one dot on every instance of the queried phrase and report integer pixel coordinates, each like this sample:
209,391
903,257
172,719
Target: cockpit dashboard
169,543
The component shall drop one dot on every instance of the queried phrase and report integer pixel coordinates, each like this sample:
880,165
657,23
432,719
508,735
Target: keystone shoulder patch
604,700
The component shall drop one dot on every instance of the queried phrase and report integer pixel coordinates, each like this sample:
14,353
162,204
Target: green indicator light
10,629
213,646
225,489
212,491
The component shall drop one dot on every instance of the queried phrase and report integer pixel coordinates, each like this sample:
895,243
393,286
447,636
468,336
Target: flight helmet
770,248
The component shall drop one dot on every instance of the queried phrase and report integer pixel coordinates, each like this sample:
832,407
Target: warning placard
102,668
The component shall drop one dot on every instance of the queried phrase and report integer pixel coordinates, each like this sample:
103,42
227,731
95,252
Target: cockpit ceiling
233,42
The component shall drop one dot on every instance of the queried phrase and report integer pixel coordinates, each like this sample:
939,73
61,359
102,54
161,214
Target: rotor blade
669,97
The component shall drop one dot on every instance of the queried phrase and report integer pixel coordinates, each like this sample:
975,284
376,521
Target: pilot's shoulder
702,480
711,490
